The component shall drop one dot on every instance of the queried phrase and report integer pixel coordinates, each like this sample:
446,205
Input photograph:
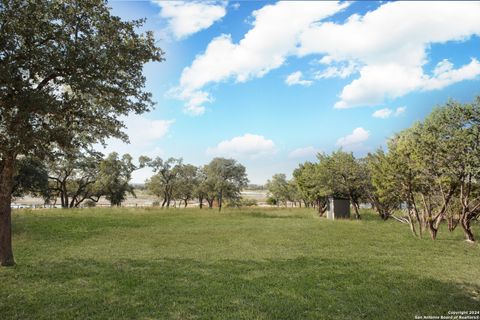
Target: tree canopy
68,70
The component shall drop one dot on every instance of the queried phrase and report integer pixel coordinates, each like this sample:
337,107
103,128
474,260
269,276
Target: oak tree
68,70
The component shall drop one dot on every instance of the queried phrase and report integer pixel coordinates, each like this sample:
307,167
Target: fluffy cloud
400,110
249,145
445,74
341,71
303,153
143,134
296,78
387,112
389,59
392,57
354,140
382,113
186,18
264,47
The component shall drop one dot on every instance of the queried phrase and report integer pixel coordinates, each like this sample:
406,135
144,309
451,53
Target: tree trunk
466,229
432,229
186,203
411,223
6,186
357,212
452,223
65,195
421,224
220,196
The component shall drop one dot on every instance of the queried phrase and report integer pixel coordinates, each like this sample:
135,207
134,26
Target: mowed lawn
238,264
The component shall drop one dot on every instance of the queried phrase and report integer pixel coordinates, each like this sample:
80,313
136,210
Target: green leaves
68,69
113,178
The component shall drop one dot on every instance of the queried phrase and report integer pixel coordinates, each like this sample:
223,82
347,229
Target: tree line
78,178
75,178
221,179
429,174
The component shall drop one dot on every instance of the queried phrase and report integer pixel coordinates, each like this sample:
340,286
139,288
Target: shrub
271,201
89,204
248,202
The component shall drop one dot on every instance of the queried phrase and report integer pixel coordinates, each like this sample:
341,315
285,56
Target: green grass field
238,264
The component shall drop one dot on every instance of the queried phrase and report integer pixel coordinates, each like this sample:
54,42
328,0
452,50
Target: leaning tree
68,70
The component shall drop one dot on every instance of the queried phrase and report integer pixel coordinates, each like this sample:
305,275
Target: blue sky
273,83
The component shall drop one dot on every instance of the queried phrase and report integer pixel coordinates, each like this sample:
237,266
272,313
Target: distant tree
163,183
344,176
293,194
278,188
207,189
271,201
313,181
73,175
383,190
68,70
114,176
155,186
186,183
227,177
402,178
201,190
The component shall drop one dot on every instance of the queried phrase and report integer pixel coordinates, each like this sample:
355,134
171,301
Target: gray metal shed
338,208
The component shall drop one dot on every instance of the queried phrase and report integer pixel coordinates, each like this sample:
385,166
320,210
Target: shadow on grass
71,227
302,288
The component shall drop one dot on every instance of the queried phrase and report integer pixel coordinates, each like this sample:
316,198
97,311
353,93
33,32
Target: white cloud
144,135
188,17
354,140
306,152
236,5
382,113
400,110
249,145
445,74
264,47
296,78
376,84
387,112
391,58
386,46
326,60
341,71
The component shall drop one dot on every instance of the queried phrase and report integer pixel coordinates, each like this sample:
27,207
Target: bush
156,203
237,203
248,202
89,204
271,201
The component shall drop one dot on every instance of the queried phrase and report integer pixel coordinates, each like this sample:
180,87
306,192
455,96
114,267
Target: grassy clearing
238,264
